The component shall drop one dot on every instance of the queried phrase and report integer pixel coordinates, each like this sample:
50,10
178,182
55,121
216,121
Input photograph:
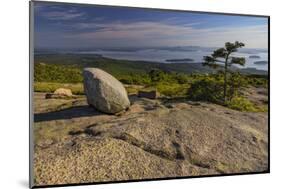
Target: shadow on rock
69,113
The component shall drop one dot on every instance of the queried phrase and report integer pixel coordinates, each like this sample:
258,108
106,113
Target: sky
58,25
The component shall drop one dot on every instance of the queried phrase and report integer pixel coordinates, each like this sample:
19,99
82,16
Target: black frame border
31,54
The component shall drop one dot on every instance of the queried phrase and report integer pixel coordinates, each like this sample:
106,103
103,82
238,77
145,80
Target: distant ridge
128,66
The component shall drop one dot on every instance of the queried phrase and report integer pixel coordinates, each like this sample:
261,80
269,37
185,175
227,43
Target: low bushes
198,87
172,90
76,88
206,89
241,104
57,73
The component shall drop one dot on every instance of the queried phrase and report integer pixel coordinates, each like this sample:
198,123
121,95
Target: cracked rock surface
153,139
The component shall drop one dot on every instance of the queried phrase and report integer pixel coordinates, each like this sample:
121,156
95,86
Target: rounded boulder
104,92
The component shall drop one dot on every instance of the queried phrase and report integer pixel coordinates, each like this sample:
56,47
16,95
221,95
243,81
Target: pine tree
223,55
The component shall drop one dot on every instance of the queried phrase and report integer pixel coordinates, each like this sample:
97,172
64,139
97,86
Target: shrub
242,104
234,83
207,89
172,89
136,79
210,87
127,80
257,81
157,75
182,78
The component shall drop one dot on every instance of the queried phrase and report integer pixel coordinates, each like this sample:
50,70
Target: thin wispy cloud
57,13
168,34
66,15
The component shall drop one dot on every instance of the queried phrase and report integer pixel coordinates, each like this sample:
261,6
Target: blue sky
79,26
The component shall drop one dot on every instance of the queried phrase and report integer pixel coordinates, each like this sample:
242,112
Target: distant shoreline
90,60
183,60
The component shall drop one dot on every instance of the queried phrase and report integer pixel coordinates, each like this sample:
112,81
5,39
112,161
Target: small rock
63,92
60,94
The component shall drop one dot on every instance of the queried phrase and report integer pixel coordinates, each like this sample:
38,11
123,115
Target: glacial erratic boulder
104,92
